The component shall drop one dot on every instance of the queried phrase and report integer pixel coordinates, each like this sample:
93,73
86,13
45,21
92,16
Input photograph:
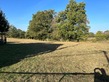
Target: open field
24,60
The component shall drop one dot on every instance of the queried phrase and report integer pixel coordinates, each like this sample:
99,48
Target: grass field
24,60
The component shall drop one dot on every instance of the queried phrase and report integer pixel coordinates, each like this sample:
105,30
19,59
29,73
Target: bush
100,36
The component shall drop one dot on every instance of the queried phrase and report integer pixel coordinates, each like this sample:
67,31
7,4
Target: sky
19,12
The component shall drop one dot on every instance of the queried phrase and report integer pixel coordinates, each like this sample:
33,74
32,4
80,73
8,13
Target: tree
4,26
91,34
73,21
100,35
70,24
21,34
62,25
15,33
12,33
40,25
55,35
106,34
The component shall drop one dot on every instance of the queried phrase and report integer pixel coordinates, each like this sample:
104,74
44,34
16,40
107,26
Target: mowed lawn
26,60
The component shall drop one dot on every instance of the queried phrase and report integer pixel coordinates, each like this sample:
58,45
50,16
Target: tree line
70,24
18,33
99,35
15,33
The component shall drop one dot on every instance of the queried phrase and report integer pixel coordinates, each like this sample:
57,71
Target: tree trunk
5,39
78,40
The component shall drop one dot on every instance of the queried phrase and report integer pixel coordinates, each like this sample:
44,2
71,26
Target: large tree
73,21
70,24
40,25
15,33
4,26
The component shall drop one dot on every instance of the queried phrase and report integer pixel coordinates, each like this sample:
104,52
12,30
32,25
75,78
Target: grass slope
24,60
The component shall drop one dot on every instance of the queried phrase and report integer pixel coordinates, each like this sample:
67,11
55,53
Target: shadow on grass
12,53
99,75
106,55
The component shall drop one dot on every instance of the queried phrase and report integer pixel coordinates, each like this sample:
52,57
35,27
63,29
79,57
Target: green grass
41,61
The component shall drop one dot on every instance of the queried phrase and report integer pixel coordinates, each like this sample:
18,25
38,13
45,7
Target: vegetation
70,24
102,35
40,25
67,25
73,21
4,26
30,60
15,33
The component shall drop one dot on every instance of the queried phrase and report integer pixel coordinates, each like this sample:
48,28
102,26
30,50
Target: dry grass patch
56,57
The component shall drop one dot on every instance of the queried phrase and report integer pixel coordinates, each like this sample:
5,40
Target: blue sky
19,12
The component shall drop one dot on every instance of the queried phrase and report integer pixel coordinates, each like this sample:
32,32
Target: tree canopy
40,25
15,33
73,21
4,25
70,24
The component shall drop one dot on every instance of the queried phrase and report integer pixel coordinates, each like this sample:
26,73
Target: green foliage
54,30
15,33
4,25
91,34
73,21
40,25
70,24
106,34
100,36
